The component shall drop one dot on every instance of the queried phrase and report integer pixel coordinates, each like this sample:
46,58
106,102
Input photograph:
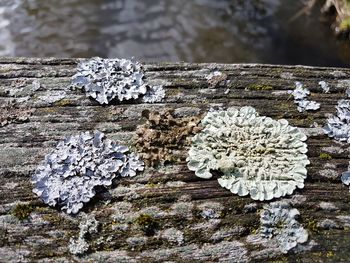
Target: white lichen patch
136,241
175,184
225,251
121,212
258,156
53,97
210,224
310,132
345,177
334,150
328,173
338,127
228,233
211,210
327,206
153,211
215,78
347,92
279,225
107,79
343,83
338,73
250,208
213,74
115,255
36,85
324,86
300,95
69,174
9,185
182,209
327,224
10,222
19,253
173,235
344,220
154,94
129,192
287,75
297,199
88,225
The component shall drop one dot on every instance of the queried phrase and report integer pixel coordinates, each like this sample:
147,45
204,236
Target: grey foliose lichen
324,86
279,225
109,79
345,177
300,94
338,127
348,92
154,94
258,156
68,175
88,225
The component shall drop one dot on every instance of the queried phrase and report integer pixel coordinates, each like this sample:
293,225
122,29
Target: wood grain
33,120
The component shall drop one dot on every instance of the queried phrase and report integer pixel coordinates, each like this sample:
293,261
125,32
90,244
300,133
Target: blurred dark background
228,31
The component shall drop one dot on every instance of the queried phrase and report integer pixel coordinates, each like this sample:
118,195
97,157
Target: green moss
281,259
345,24
312,226
325,156
302,120
330,254
259,87
173,92
147,223
63,102
53,218
22,211
152,185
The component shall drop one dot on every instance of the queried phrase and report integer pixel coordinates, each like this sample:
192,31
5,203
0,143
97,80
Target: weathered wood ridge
165,213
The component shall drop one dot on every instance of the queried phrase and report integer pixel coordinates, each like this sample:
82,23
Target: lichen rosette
258,156
109,79
106,80
69,175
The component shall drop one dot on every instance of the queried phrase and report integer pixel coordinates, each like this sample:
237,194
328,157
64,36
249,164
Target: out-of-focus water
229,31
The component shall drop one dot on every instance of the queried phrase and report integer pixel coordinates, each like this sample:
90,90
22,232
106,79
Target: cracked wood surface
191,219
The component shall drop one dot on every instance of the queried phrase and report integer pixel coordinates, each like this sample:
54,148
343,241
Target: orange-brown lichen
162,138
10,113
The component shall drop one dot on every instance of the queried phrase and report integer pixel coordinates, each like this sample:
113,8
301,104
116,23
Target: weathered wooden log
165,213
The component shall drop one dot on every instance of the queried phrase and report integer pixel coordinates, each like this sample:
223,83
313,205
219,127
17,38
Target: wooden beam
33,118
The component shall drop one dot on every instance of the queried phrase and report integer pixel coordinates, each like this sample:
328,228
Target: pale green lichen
257,155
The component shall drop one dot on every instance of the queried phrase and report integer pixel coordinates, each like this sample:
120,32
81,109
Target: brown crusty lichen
163,136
